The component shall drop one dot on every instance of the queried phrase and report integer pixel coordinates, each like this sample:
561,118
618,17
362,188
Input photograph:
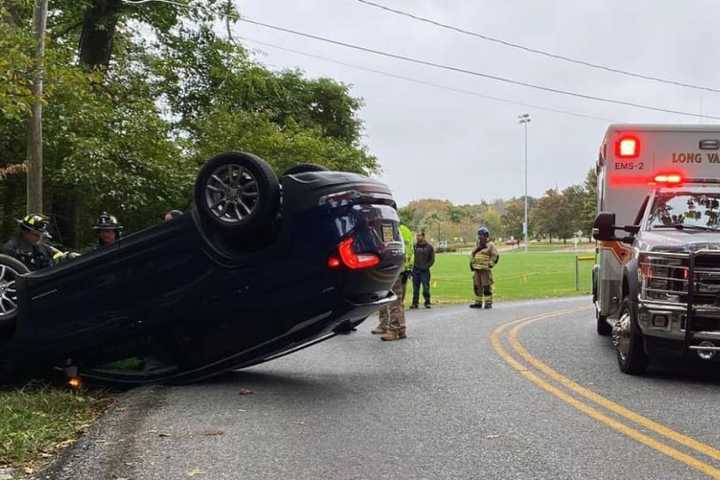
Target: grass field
517,276
36,422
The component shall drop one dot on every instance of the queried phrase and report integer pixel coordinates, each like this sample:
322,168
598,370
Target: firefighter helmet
107,222
34,223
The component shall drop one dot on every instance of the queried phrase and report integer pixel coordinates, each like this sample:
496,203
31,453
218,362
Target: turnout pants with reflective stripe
482,283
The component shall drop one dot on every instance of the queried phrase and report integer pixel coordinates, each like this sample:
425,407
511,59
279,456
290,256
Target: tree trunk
35,150
98,32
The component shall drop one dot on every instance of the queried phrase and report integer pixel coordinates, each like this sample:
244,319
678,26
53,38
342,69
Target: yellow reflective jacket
408,240
485,258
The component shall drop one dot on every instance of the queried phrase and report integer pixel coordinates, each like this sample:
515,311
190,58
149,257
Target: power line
426,83
538,51
140,2
477,74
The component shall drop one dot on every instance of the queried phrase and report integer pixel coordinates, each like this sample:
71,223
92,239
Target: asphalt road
469,395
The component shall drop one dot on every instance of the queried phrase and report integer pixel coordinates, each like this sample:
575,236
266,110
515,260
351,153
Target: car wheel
305,168
631,357
237,192
10,270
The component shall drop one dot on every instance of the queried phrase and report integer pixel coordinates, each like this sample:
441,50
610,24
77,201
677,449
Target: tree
513,218
553,216
589,210
129,117
575,204
407,216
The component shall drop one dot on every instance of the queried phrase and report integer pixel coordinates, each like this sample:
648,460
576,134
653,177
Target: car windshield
685,210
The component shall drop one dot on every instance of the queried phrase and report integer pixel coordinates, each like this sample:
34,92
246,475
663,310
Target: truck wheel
304,168
628,343
237,192
10,270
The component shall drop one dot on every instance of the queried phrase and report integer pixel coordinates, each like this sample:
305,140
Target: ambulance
656,284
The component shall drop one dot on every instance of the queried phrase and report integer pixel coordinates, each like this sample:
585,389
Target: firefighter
483,259
28,246
392,317
108,229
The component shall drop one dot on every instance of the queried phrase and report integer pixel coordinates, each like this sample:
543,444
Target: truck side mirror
604,226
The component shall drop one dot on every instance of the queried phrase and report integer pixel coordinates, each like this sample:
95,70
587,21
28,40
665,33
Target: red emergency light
627,146
668,178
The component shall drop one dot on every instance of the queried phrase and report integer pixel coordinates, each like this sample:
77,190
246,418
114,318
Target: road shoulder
103,452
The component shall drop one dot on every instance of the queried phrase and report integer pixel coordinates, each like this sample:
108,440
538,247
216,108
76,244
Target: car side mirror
604,226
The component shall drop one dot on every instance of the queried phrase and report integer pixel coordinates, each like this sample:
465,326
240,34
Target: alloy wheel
231,193
8,291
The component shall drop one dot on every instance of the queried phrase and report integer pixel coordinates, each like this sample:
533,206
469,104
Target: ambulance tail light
350,259
627,146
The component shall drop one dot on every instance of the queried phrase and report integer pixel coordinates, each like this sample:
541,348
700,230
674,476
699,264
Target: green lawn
36,422
517,276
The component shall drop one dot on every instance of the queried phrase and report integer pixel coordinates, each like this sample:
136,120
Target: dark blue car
257,268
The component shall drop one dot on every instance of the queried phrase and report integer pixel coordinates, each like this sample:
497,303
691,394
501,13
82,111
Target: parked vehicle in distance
257,268
656,287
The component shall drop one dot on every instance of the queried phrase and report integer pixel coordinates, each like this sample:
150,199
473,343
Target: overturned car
259,267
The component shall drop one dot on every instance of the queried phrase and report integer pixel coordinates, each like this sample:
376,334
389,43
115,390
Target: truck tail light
627,147
352,260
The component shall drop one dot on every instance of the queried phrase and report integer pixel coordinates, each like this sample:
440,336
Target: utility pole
35,147
524,119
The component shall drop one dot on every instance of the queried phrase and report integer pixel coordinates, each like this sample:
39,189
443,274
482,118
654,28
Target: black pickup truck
669,298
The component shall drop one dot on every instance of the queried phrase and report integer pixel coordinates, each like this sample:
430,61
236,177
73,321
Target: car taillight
627,147
351,259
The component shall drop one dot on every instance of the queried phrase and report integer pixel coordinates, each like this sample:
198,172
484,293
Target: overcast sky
435,143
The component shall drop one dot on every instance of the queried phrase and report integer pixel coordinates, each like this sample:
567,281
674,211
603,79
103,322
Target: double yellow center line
541,375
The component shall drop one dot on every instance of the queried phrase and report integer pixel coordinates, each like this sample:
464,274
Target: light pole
524,119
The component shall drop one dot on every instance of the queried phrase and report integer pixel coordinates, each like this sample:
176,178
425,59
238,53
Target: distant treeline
558,214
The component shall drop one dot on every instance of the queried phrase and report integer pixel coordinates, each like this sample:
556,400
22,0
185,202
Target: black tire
628,342
10,270
237,192
305,168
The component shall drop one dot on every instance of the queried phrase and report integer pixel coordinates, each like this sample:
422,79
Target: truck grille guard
691,282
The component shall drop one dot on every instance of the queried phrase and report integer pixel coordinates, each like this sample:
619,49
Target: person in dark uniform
424,260
28,246
108,229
